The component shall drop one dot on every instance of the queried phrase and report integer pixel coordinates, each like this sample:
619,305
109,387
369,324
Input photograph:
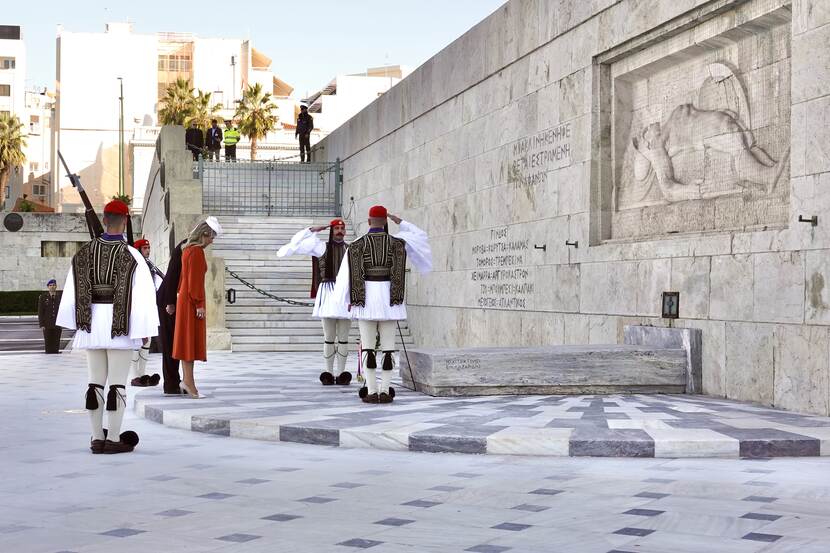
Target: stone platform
276,397
600,369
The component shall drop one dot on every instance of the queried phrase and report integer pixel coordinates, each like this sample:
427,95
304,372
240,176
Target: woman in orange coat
190,339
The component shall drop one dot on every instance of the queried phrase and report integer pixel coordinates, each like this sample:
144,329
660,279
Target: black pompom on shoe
154,380
130,438
391,392
344,378
326,378
363,392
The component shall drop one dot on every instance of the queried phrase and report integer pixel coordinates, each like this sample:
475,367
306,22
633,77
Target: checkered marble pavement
183,491
277,397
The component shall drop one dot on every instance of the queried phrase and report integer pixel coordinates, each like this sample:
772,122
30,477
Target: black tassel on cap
92,396
112,397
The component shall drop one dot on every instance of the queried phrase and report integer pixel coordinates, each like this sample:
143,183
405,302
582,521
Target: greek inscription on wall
533,157
463,364
503,280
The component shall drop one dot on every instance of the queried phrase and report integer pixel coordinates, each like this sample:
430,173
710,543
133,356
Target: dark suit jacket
194,138
47,309
166,294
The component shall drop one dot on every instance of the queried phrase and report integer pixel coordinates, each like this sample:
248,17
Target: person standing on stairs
332,313
107,297
372,281
190,339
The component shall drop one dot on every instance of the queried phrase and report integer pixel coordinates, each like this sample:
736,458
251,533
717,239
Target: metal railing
270,187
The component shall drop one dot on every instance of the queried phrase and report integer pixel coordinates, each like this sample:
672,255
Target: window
7,63
34,166
5,90
39,190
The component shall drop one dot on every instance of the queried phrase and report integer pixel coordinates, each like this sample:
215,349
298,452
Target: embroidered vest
377,257
103,271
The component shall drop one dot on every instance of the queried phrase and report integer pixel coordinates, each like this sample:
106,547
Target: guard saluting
108,297
372,280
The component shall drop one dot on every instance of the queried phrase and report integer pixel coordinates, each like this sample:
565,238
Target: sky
309,42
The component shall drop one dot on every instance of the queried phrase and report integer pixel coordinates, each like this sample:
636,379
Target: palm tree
255,114
202,111
177,104
12,143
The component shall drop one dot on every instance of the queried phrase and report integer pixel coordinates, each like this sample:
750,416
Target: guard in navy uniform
47,312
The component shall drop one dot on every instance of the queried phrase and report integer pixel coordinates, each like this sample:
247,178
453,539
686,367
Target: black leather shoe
327,378
384,398
96,446
117,447
371,398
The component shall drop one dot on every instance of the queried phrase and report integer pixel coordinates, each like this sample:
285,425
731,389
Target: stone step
547,370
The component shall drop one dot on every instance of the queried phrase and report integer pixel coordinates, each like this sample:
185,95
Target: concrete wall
41,249
677,142
171,210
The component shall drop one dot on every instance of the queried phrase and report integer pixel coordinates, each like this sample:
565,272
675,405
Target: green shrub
19,303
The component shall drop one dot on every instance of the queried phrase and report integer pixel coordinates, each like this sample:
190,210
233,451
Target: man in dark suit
47,312
166,302
214,141
194,138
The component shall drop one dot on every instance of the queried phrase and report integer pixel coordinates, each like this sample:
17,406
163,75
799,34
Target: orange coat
190,340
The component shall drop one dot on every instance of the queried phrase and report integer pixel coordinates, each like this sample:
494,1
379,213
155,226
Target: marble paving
277,397
192,492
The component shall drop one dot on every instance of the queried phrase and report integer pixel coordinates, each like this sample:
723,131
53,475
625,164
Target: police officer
47,312
231,138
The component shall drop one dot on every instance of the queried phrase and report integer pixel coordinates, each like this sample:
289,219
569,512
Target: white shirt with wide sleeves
144,319
377,307
326,305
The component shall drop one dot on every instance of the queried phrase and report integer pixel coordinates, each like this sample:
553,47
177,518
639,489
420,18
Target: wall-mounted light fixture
671,305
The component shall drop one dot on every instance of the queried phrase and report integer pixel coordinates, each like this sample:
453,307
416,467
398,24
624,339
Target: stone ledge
592,369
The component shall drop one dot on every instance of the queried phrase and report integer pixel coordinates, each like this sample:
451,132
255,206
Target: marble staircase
257,323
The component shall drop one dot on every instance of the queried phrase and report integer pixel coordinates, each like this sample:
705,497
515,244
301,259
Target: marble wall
519,136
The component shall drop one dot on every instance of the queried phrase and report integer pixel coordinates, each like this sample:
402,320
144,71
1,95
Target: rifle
93,223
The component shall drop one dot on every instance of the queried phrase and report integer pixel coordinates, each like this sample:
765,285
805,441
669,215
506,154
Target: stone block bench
649,362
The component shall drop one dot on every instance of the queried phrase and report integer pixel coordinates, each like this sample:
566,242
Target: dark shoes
344,378
384,398
370,398
96,446
117,447
327,378
145,380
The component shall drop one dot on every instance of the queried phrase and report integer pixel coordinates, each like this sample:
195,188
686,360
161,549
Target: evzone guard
333,313
109,298
142,354
372,282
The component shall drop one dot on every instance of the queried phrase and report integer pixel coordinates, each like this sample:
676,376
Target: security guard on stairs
231,138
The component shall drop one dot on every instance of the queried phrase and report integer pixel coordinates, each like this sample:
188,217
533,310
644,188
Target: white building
37,123
346,95
12,84
89,66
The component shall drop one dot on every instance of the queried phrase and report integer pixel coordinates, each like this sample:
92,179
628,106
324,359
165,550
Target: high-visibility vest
231,137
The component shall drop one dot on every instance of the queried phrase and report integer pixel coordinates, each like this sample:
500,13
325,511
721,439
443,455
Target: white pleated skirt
377,306
326,306
100,337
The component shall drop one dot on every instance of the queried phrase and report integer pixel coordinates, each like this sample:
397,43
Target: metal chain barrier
268,294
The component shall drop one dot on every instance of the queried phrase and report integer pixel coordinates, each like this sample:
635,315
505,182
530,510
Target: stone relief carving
690,129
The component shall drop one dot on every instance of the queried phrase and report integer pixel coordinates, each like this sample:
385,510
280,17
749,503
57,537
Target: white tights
113,366
369,331
336,336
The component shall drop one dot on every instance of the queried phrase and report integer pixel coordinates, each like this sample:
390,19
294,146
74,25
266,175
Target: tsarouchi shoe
344,378
384,398
96,446
326,378
370,398
111,447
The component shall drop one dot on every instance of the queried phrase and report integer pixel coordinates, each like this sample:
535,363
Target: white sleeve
304,242
144,317
342,290
66,310
418,251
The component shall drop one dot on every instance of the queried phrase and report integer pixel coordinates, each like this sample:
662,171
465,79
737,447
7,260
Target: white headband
213,223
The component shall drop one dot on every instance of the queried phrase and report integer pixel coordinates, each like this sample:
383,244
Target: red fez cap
337,222
117,207
138,244
377,211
